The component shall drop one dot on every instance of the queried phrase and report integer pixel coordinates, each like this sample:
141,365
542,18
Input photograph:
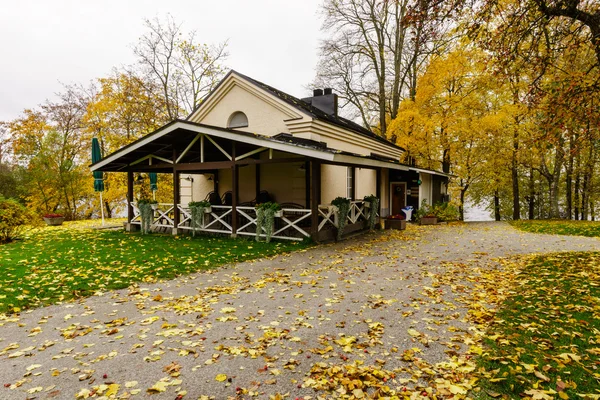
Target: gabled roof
306,108
178,134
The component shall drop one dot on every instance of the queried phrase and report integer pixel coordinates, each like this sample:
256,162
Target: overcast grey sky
46,42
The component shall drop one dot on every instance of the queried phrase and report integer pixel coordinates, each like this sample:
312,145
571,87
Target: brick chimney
325,100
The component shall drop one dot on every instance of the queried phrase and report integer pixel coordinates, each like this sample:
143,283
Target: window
237,120
350,183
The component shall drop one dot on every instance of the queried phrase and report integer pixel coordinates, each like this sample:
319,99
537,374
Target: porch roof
177,143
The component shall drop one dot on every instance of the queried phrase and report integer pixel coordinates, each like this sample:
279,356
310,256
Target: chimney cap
317,92
328,91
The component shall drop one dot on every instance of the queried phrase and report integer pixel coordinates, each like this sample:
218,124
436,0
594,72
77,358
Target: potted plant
199,209
53,219
342,207
372,203
146,207
429,219
265,219
395,221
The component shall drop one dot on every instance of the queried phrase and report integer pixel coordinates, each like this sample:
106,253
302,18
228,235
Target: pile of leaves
559,227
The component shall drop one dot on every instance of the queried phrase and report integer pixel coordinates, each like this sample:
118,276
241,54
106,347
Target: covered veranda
241,169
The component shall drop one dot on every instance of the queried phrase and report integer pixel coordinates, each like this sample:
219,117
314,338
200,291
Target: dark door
398,198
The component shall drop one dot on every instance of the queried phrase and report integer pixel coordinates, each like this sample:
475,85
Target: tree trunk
531,194
577,184
515,178
587,183
569,179
461,207
108,209
446,161
496,206
553,191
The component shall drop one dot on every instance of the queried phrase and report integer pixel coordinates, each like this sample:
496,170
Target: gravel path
257,328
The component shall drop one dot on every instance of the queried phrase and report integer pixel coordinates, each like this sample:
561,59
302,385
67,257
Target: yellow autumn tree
123,109
453,119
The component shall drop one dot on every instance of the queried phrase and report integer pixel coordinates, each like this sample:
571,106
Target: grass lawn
55,264
545,340
559,227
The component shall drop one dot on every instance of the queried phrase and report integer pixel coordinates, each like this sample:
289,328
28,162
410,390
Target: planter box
55,221
398,224
429,221
330,234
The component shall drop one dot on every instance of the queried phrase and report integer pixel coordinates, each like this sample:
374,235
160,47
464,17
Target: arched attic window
237,120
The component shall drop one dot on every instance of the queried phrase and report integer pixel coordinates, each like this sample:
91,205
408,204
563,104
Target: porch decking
293,224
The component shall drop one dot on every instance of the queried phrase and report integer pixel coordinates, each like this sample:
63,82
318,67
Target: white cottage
249,142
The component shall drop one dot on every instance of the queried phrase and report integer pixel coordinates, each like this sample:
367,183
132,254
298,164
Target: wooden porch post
129,196
307,183
176,193
216,182
378,172
353,189
234,191
257,180
315,198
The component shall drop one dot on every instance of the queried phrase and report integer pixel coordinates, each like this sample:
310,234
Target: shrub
443,211
13,219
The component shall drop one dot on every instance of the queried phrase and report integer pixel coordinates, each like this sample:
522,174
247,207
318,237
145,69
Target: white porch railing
161,218
293,224
357,212
217,221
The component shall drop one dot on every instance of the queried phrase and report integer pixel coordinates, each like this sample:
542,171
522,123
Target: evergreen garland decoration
343,206
265,219
373,211
197,218
197,209
147,213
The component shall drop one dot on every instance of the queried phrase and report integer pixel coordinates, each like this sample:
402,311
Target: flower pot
207,210
428,220
154,206
367,204
398,224
54,221
278,214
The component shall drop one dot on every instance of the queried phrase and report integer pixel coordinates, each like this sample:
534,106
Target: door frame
392,193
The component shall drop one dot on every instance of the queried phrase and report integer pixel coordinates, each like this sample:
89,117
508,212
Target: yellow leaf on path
150,320
158,387
563,395
35,390
83,394
113,389
226,310
454,389
221,377
131,384
33,366
413,332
